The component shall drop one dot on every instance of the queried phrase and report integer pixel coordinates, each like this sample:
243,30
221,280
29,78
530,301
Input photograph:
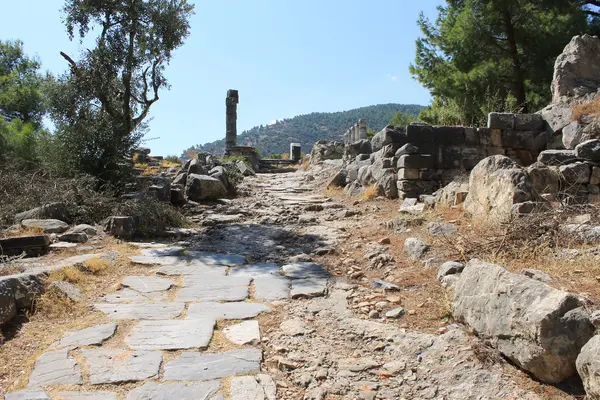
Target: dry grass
55,305
97,266
70,274
20,231
370,193
334,191
589,108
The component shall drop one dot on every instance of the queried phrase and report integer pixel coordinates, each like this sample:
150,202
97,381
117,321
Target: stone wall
420,158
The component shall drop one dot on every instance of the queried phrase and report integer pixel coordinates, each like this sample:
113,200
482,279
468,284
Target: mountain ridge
306,129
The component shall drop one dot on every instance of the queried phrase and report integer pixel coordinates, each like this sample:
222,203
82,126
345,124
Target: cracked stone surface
233,310
195,366
309,287
246,332
28,394
119,365
173,391
131,296
171,334
87,396
147,284
93,335
258,387
271,287
55,368
303,270
214,288
157,311
255,270
193,269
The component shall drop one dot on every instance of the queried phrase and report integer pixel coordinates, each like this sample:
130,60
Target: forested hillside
307,129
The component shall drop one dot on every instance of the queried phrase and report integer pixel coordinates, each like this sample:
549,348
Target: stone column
231,119
352,134
362,129
295,151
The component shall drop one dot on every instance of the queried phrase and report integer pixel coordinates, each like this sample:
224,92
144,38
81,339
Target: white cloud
273,122
394,78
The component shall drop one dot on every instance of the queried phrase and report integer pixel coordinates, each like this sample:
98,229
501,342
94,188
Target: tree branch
70,60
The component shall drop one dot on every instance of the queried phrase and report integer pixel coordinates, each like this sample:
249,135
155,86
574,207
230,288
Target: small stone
373,314
536,274
385,240
449,268
322,373
246,332
415,248
357,364
294,327
67,289
259,387
395,313
379,284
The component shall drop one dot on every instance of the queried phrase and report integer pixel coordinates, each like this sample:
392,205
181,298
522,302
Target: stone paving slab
233,310
271,287
172,251
201,280
216,258
303,270
171,334
28,394
176,391
256,270
155,311
93,335
194,268
246,332
257,387
152,260
195,366
119,365
147,284
55,368
131,296
213,288
312,287
87,396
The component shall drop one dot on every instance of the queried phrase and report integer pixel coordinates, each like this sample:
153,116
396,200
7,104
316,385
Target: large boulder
496,185
588,367
353,150
326,150
45,225
576,81
204,187
47,211
577,69
389,135
120,226
452,194
544,178
539,328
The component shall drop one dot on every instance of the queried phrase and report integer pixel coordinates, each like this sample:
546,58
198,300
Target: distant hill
309,128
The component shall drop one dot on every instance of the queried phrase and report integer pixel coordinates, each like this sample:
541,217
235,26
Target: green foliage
18,143
309,128
100,105
229,159
480,54
173,159
370,133
402,119
20,85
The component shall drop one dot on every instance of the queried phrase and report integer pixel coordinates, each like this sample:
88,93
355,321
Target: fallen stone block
539,328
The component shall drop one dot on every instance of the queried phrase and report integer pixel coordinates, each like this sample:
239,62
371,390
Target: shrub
173,159
153,217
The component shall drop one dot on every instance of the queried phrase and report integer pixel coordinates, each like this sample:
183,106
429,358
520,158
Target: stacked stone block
357,132
426,157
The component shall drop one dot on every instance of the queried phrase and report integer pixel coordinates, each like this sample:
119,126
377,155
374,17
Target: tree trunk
128,72
518,76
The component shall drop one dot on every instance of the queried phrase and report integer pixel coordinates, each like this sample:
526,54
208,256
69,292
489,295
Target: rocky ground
286,292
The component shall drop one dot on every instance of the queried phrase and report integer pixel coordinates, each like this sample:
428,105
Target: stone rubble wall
418,159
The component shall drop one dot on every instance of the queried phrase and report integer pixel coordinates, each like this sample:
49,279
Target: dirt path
273,299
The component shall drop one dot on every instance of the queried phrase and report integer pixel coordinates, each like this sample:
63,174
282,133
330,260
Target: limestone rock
55,368
204,187
195,366
246,332
67,289
539,328
46,225
452,194
578,172
117,366
415,248
47,211
120,226
259,387
544,179
326,150
179,391
588,150
576,69
588,367
94,335
449,268
31,393
441,228
389,135
496,184
73,237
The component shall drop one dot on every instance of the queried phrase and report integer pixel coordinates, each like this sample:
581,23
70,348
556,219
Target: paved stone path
177,306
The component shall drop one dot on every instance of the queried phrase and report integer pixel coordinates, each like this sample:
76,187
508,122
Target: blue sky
286,57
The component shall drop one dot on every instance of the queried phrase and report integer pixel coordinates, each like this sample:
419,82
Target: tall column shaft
231,119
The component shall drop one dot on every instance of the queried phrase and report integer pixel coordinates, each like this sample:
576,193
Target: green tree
498,54
102,102
20,84
402,119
